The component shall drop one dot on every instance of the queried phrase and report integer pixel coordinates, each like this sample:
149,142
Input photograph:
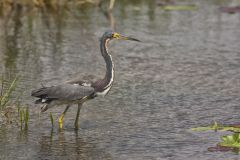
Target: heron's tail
40,93
42,100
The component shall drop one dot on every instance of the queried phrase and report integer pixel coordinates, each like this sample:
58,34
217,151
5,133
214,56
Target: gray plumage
63,92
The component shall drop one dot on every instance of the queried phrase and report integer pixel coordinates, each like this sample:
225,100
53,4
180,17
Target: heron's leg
77,117
60,119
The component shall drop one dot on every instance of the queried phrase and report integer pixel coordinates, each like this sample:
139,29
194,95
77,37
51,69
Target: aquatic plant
179,7
15,9
6,92
6,110
26,116
170,5
230,10
218,127
44,3
229,142
23,117
10,108
51,118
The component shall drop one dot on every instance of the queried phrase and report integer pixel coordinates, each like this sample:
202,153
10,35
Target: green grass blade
179,7
26,116
51,118
21,118
6,95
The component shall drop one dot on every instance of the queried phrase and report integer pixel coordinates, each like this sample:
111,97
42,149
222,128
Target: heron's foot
60,121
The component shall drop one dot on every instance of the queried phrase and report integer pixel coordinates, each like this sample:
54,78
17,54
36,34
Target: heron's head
115,35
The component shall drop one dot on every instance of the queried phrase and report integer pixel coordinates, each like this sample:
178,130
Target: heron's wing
82,79
66,91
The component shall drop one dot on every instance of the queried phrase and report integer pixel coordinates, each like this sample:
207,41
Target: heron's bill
129,38
118,36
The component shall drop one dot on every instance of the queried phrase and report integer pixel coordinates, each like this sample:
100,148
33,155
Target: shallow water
185,74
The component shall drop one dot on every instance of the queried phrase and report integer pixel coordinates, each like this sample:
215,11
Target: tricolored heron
78,91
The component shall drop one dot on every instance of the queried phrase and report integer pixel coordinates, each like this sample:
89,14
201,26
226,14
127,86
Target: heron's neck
109,76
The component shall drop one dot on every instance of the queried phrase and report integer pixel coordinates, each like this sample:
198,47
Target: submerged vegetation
23,114
11,112
51,119
6,108
179,7
25,7
229,142
217,127
45,3
6,91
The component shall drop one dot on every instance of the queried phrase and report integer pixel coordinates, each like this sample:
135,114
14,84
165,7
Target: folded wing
65,92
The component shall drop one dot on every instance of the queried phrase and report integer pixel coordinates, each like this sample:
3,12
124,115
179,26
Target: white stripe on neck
104,92
112,74
109,85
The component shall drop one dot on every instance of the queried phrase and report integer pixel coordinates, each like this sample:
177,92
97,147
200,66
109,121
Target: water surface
185,74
